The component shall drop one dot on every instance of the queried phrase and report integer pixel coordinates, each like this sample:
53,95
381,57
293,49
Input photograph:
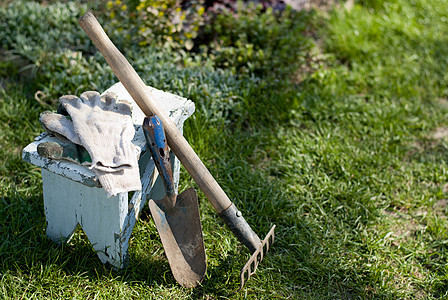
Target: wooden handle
141,95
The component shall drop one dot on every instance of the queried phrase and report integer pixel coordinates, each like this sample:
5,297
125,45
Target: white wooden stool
73,195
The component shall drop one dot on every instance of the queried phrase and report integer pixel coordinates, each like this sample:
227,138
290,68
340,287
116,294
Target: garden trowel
176,216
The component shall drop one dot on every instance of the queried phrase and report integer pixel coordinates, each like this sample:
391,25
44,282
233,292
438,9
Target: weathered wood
68,203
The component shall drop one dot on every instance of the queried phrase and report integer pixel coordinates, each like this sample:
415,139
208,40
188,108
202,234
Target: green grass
347,155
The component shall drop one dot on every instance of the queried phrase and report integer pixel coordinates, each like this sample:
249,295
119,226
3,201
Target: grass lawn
330,124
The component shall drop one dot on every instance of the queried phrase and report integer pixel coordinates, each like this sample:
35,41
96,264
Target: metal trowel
176,216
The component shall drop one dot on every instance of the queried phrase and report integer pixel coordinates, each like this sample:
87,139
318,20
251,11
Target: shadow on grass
25,251
24,248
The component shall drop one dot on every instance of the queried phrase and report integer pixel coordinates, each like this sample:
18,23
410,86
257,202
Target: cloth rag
103,126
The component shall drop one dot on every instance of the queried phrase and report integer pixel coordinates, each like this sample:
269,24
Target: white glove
60,126
104,127
122,181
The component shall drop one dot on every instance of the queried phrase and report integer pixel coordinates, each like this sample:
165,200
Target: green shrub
253,41
376,4
50,39
157,21
34,30
223,81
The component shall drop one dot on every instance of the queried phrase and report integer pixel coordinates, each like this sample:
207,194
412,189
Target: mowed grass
347,156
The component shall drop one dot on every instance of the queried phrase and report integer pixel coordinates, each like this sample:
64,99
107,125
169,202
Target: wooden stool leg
69,203
59,211
103,219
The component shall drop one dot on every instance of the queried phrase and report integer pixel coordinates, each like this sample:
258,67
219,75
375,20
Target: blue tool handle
156,140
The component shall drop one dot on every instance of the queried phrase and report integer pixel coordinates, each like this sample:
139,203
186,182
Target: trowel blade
181,234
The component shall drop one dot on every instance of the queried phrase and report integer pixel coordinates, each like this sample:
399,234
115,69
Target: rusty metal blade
181,234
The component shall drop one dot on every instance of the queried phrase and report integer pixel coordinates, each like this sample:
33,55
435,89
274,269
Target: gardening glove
124,180
60,126
104,128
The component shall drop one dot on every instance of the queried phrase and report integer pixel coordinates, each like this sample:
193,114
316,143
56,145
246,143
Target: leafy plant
255,40
33,30
376,4
158,21
50,40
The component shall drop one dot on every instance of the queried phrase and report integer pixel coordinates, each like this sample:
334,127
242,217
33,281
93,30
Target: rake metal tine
256,258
